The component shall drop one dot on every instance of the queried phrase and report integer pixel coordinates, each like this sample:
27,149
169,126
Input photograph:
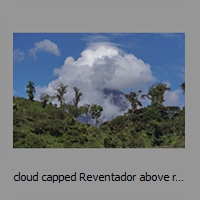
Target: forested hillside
40,124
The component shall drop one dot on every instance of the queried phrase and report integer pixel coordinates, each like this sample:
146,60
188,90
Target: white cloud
104,65
172,98
45,45
18,55
101,65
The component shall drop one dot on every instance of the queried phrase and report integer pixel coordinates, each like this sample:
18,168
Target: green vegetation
95,111
39,124
61,90
31,90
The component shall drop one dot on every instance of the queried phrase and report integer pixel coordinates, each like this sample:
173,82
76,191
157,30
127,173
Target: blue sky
127,61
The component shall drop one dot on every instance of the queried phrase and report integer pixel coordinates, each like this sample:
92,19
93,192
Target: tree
95,111
85,110
151,113
77,96
31,90
45,98
61,90
73,108
183,87
156,93
133,98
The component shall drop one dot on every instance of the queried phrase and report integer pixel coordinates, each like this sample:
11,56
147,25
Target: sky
93,61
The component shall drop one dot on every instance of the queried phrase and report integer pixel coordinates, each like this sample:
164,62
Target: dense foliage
43,125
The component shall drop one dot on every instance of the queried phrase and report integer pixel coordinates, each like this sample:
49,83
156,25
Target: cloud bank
45,45
101,65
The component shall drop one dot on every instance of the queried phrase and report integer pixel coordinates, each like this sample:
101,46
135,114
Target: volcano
115,98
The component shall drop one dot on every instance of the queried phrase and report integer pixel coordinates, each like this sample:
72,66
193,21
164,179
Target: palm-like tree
156,93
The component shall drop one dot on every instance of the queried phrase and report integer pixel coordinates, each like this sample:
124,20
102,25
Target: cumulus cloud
172,98
45,45
101,65
18,55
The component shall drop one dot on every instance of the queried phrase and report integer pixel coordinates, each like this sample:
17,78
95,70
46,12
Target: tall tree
61,90
77,96
156,93
31,90
95,111
133,98
73,108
